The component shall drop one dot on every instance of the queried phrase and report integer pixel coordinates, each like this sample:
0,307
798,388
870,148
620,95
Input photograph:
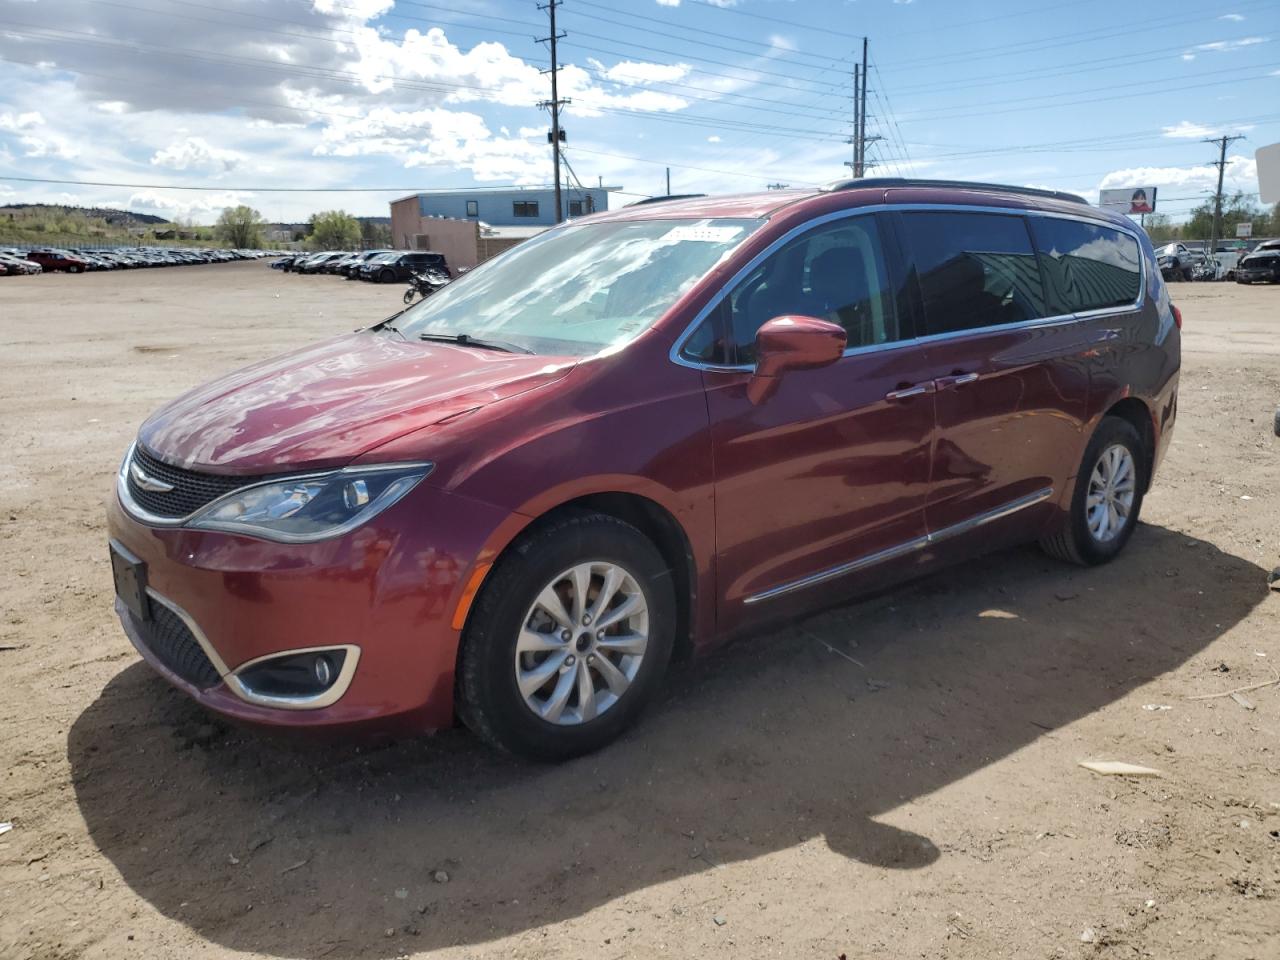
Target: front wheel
409,295
386,276
1107,498
569,639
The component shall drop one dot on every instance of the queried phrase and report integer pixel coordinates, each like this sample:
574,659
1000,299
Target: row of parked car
1179,262
376,266
17,262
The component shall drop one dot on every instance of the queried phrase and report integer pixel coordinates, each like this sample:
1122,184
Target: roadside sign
1268,159
1244,229
1131,200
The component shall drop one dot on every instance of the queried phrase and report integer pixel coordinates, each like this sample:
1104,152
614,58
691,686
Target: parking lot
898,777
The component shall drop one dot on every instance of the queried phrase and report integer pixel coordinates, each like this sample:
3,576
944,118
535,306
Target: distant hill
116,218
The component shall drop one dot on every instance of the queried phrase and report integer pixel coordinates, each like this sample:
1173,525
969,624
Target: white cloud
195,153
49,146
631,71
1186,130
668,3
12,122
713,139
1231,16
1222,46
185,204
1241,173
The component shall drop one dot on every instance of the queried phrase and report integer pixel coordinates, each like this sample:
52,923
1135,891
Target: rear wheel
569,639
1107,498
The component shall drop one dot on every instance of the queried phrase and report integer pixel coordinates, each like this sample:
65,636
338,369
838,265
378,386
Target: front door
828,476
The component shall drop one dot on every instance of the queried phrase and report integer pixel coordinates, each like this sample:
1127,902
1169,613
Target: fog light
355,494
294,674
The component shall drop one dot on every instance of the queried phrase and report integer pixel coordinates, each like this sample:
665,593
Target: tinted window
473,208
835,272
524,208
974,269
1086,267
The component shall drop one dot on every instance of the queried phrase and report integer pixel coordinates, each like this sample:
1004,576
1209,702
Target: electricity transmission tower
859,140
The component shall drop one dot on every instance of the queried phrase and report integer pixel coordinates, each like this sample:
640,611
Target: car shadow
322,849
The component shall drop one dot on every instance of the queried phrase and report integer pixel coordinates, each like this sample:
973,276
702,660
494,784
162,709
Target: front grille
171,640
191,490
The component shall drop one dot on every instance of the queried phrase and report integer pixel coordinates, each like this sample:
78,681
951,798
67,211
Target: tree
1235,209
373,235
1160,229
334,230
241,227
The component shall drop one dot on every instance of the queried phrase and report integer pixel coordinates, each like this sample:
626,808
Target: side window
834,272
1087,267
974,269
473,208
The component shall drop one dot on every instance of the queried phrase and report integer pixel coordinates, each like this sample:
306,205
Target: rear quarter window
1087,266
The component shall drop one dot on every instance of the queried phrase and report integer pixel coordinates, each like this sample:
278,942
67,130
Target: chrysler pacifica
638,434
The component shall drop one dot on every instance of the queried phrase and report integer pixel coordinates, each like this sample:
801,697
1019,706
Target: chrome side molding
902,549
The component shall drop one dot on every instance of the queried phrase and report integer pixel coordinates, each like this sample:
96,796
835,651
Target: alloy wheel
1112,488
582,642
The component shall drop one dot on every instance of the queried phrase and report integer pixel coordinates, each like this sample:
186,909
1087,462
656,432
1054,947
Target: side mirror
793,343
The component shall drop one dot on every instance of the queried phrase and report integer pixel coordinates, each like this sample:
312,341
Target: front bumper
388,590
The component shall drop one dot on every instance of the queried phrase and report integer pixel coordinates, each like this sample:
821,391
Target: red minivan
638,434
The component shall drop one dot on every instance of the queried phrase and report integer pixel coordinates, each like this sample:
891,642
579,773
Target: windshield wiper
466,340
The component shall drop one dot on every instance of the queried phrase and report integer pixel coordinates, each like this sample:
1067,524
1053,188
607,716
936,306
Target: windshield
580,289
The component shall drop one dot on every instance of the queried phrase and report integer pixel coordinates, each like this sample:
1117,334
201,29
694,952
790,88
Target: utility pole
1221,164
668,181
555,103
862,117
856,166
860,139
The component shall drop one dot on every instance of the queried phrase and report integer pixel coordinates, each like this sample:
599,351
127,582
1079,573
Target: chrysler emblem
146,482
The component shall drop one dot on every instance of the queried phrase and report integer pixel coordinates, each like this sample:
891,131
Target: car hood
327,404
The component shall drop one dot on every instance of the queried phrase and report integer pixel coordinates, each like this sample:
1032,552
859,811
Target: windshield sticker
702,234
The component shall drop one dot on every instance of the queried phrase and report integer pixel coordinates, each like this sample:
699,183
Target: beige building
464,242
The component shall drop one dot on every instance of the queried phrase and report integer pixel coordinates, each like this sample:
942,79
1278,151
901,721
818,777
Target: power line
1059,40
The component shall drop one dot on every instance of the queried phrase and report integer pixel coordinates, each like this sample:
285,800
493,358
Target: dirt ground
897,778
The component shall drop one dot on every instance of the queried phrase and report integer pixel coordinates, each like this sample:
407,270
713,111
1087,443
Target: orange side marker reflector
469,594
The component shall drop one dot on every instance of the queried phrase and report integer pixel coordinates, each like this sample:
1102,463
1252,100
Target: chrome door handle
905,393
956,380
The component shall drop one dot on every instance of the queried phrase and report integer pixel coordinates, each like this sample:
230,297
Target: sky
352,103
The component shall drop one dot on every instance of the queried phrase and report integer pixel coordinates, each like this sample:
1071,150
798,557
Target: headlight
308,508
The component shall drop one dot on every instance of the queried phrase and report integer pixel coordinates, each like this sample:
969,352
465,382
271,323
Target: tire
408,296
1075,542
386,276
490,700
75,269
1275,424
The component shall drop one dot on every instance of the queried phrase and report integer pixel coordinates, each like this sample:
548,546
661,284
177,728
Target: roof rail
886,182
664,199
